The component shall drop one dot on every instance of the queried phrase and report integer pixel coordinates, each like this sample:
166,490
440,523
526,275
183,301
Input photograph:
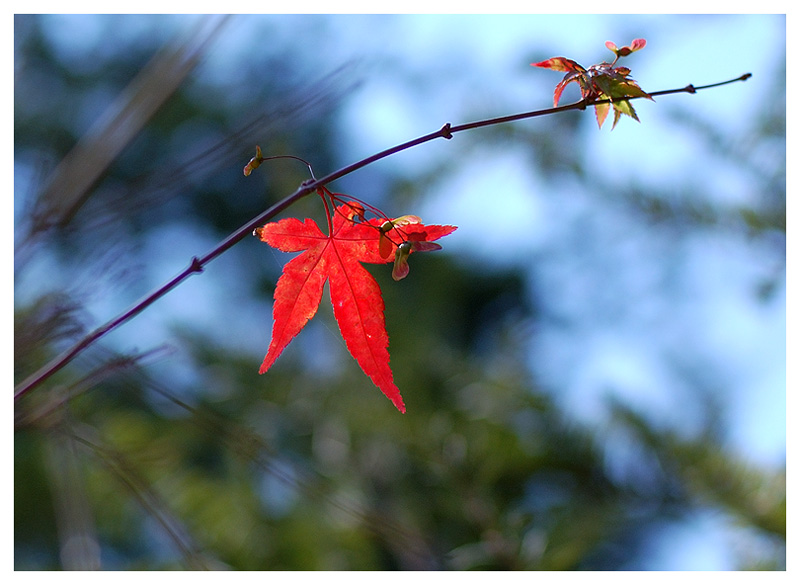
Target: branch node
445,131
196,265
690,89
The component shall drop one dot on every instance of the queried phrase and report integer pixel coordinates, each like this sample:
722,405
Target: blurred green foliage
191,460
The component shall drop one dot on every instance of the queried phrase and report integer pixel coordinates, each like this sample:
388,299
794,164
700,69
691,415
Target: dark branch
197,264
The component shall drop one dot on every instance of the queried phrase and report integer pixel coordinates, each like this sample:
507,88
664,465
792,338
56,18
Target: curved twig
197,264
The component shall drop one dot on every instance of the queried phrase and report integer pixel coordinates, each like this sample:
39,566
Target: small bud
400,270
384,243
254,163
355,210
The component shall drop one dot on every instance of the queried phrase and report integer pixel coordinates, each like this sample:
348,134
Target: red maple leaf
355,294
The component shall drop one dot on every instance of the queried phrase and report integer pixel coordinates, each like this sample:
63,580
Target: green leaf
623,107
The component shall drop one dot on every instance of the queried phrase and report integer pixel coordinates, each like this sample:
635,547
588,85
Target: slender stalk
197,264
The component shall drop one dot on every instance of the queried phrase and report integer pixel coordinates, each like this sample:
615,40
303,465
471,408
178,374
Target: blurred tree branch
70,184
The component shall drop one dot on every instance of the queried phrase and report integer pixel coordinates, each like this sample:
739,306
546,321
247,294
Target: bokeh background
594,366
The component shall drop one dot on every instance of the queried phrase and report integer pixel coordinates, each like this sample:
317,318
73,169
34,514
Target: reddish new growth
600,82
336,258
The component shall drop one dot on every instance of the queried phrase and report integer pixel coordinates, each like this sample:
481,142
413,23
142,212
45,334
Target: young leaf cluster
604,81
